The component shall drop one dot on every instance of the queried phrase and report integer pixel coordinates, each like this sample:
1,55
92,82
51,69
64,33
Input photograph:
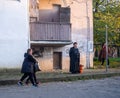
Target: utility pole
88,37
106,48
118,49
107,1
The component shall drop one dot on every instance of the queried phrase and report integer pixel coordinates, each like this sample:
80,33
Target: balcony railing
50,31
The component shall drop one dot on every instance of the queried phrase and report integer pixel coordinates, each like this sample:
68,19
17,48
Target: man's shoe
20,83
26,82
35,85
37,82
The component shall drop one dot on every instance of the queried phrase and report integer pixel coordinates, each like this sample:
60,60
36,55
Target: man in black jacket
28,68
74,58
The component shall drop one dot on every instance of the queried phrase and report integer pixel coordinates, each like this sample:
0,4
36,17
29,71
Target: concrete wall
82,29
46,62
14,29
14,32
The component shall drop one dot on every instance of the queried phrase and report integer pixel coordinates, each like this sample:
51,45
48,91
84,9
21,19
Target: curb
79,77
66,78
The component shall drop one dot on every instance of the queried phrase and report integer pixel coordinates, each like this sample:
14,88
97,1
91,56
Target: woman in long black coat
74,58
28,67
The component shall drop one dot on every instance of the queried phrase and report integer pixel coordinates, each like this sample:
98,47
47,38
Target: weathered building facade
49,27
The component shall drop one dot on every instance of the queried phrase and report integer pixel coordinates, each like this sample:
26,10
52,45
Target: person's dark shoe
20,83
35,85
26,82
37,82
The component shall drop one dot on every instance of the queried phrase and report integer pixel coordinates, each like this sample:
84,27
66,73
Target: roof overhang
51,43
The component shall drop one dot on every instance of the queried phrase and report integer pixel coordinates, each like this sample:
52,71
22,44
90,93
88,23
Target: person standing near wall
74,58
28,68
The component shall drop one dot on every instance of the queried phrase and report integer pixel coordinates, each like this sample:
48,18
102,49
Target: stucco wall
14,30
82,29
46,62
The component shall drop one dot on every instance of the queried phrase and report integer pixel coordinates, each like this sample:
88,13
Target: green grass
114,63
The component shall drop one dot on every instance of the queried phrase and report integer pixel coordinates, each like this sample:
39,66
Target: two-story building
48,27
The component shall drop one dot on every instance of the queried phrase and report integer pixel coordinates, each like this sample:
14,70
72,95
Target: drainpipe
28,21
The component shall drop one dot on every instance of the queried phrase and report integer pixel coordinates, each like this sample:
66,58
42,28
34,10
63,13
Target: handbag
37,68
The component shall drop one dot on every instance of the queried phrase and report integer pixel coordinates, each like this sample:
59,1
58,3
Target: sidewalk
11,78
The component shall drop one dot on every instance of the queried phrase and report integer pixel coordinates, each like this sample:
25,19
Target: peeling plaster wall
82,29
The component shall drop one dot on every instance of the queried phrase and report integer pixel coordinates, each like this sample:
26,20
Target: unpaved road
104,88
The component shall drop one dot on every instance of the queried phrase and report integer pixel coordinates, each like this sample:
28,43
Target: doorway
57,60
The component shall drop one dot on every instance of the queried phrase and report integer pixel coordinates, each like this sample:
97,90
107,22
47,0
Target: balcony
51,32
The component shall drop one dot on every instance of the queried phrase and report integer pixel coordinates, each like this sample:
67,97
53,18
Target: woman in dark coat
103,54
28,67
74,58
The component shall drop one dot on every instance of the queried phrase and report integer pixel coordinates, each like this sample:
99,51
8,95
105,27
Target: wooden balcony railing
50,31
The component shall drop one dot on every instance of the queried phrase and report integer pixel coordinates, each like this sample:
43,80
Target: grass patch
114,63
10,70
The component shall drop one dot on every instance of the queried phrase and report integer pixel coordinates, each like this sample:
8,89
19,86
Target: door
57,60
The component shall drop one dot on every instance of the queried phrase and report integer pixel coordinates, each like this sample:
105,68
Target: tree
106,12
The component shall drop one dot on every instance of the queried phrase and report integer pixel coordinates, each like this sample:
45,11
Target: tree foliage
106,12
